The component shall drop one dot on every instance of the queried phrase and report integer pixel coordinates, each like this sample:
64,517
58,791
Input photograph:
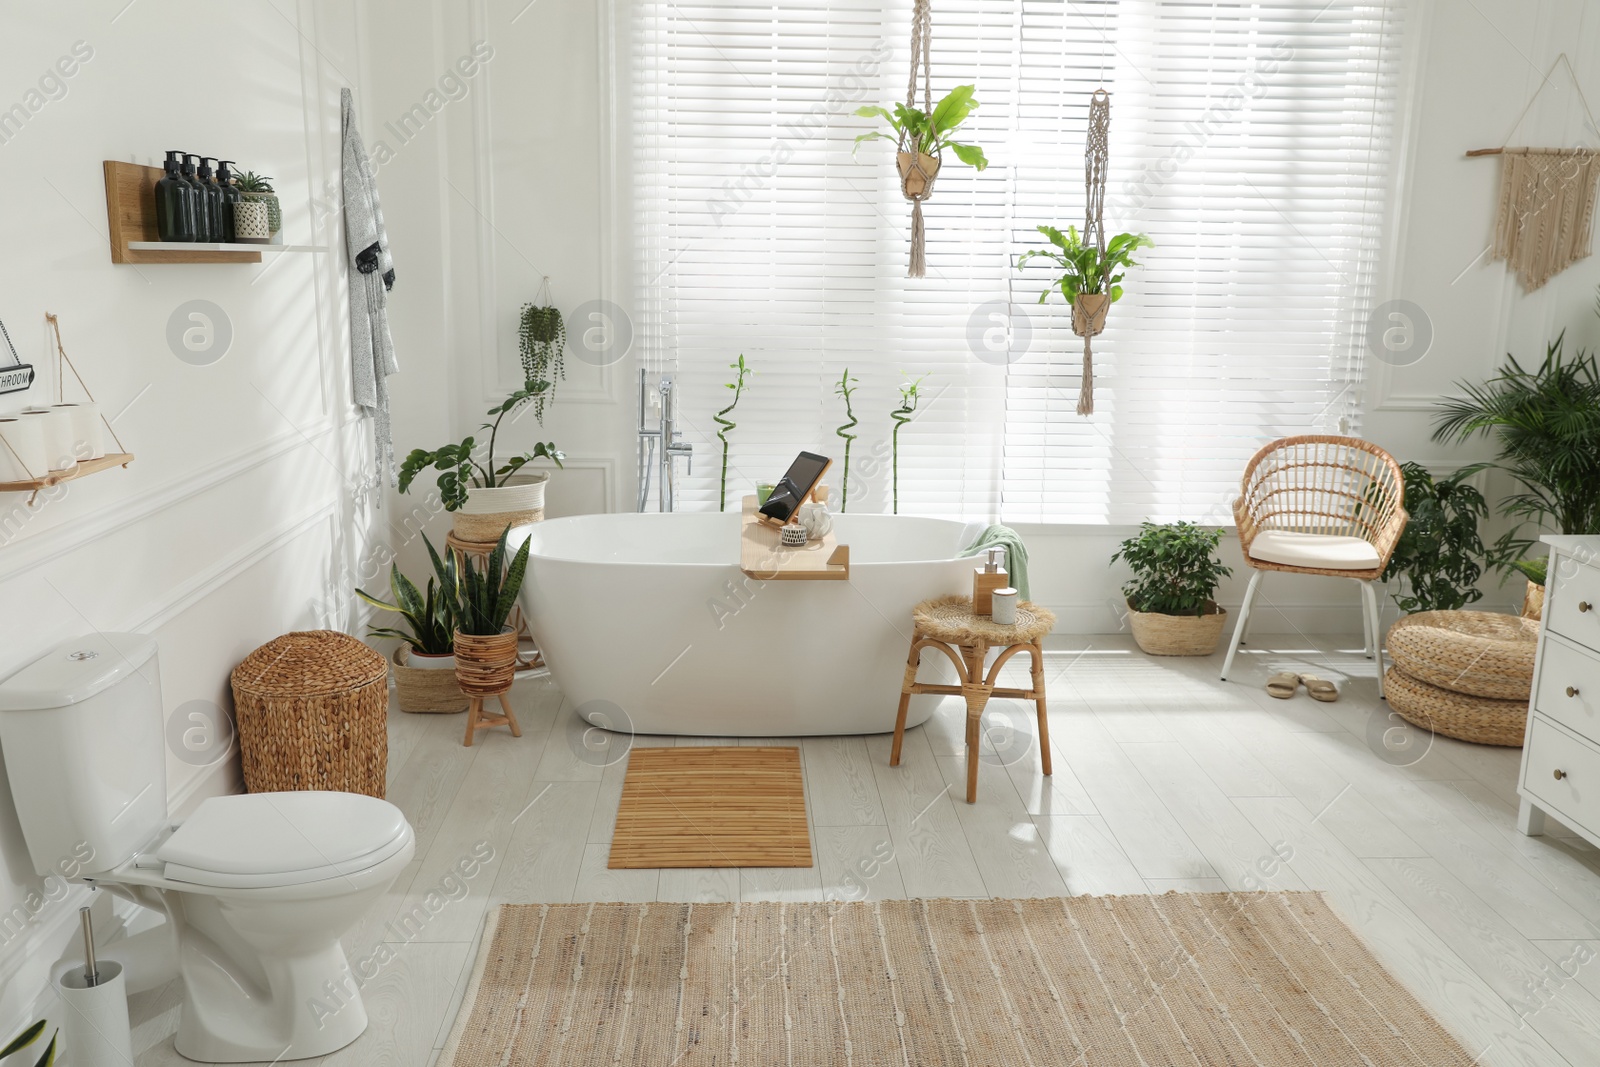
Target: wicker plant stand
485,667
312,709
1464,674
948,624
532,659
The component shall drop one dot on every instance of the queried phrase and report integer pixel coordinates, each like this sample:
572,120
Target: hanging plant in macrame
922,135
542,346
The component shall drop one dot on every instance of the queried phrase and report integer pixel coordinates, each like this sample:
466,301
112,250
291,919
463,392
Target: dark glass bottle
213,193
202,216
230,197
174,203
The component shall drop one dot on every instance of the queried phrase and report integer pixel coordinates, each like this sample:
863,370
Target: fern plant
910,395
726,424
542,348
845,387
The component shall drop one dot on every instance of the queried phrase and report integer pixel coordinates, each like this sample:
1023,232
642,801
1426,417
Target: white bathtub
649,625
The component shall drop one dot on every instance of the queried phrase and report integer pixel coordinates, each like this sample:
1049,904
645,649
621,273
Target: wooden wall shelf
84,467
763,555
131,220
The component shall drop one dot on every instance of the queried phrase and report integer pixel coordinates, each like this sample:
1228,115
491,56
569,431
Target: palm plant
460,470
845,387
726,424
929,133
1440,554
1546,426
1086,269
909,396
28,1037
481,600
429,616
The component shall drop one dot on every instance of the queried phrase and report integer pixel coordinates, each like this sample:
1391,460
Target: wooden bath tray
763,555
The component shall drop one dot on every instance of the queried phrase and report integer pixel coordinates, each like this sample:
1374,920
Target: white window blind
1250,140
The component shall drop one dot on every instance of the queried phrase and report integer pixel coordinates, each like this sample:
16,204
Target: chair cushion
1330,552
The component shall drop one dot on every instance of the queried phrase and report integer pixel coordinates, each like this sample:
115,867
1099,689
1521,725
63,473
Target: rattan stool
948,624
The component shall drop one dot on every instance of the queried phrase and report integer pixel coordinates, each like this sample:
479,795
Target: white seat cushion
1329,552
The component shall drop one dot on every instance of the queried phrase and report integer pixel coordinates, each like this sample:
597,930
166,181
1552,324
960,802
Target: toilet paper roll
88,433
94,1027
57,424
22,452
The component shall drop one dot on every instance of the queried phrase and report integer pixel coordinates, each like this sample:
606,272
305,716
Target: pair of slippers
1285,684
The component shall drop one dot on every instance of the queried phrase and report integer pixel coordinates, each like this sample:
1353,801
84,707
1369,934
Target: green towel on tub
1016,554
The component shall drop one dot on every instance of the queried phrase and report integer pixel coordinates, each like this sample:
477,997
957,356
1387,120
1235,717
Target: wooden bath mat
1270,979
722,806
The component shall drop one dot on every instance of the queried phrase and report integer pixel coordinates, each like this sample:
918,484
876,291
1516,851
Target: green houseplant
1090,280
910,396
542,348
257,188
474,488
424,663
28,1037
845,387
923,136
481,600
1440,555
725,424
1172,607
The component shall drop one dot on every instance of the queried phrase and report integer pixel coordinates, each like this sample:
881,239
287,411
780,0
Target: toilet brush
95,1027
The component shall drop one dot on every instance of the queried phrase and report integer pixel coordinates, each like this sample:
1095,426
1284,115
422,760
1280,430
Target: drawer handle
1584,605
1572,690
1560,774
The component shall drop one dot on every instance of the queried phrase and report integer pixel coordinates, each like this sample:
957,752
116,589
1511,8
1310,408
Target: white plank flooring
1165,779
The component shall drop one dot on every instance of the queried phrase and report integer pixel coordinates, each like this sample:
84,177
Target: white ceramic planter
424,662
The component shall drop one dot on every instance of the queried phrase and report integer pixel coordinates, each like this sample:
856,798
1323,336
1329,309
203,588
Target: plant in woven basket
845,387
726,424
482,599
910,395
1440,554
253,186
1175,568
461,468
28,1037
542,347
1087,270
1546,425
928,133
428,615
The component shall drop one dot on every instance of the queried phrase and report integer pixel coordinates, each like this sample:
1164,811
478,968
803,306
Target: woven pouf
312,710
1444,711
1476,653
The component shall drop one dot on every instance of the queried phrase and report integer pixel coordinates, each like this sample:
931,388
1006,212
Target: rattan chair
1319,504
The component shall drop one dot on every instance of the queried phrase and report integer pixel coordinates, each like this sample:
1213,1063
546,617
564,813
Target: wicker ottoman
1464,674
312,709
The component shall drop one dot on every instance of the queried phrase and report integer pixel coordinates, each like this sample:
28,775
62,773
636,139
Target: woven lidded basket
1469,718
1477,653
312,708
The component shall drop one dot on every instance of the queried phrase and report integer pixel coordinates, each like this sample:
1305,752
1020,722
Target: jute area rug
1209,979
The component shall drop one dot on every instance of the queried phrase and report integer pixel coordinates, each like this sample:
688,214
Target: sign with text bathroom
16,375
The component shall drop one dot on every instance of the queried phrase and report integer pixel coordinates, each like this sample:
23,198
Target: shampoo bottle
202,216
230,197
986,579
213,193
174,203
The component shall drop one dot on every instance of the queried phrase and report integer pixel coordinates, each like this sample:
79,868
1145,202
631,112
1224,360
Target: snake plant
429,616
481,600
909,396
28,1037
726,424
844,389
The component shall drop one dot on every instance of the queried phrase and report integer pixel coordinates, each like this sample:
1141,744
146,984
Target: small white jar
1003,608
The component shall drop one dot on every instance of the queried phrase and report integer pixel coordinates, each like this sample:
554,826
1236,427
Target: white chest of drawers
1561,750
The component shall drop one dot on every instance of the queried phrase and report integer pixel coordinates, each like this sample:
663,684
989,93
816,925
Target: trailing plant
1086,269
1546,425
1175,568
726,424
542,348
929,133
481,600
1440,555
28,1037
909,397
428,616
844,389
460,469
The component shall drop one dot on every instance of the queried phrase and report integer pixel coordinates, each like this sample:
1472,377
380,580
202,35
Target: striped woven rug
1270,979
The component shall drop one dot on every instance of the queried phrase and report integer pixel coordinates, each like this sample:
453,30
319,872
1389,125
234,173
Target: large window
1251,140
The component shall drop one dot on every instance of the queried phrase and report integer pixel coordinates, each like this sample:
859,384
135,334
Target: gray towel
371,277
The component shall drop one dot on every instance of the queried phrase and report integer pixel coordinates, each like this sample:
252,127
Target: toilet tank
81,729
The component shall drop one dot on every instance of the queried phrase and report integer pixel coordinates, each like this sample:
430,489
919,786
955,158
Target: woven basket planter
486,529
1475,653
1089,313
916,178
1467,718
1533,602
424,691
486,666
1177,635
312,709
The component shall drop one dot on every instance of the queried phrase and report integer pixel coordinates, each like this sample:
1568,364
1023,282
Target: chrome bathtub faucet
671,445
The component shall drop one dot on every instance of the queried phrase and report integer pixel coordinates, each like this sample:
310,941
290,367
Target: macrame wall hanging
917,171
1089,309
1544,222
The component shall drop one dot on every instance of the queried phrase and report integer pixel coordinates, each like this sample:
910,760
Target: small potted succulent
425,661
1172,606
255,193
480,494
481,603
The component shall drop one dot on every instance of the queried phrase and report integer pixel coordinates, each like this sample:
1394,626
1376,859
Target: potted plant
1536,571
725,424
28,1037
846,386
474,489
923,136
425,661
480,604
1090,279
1172,605
256,189
1440,555
541,347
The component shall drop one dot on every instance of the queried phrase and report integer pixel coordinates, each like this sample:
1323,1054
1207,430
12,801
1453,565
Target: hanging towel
371,277
1016,554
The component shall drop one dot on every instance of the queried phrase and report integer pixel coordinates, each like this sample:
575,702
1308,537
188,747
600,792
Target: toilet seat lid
268,839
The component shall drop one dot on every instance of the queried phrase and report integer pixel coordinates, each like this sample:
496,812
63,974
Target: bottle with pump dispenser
230,197
174,203
986,579
202,214
214,200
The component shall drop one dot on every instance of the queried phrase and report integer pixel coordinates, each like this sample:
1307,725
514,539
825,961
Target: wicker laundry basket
312,709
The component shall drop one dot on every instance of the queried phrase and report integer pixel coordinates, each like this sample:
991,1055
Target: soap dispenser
213,194
986,579
174,203
230,197
202,216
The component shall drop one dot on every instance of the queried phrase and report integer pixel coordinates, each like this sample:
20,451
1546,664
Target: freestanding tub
650,627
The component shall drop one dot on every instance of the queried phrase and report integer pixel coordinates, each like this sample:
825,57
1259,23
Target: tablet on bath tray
795,485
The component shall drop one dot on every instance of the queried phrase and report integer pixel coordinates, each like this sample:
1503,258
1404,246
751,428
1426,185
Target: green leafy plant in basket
1085,269
1175,568
725,424
1440,555
928,133
481,599
460,469
428,615
28,1037
845,387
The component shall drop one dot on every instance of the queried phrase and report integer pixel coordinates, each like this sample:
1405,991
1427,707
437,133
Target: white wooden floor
1164,779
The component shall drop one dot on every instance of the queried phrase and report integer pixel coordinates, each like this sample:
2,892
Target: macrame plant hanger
1544,222
1089,309
917,171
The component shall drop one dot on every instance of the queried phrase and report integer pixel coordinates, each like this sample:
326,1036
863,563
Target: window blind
1250,140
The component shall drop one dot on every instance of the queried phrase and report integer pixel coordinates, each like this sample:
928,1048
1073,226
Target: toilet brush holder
95,1030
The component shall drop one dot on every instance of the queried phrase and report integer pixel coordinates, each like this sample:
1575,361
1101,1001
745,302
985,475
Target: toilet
256,889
